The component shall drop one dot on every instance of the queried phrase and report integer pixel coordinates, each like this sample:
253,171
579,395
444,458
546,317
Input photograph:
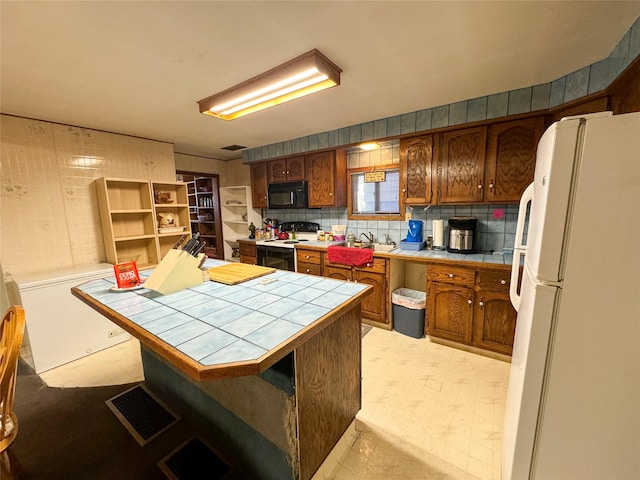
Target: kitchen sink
381,247
360,245
378,247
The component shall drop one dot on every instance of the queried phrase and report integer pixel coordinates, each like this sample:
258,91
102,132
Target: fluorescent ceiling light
308,73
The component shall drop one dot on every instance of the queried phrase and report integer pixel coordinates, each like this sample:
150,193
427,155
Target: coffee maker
462,235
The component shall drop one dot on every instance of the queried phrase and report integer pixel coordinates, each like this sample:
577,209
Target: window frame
372,216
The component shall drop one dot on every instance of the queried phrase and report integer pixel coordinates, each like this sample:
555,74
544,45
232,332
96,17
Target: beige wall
48,208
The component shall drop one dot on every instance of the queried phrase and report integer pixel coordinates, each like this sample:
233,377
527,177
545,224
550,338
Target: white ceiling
139,67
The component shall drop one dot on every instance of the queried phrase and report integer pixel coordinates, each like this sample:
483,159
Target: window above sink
374,193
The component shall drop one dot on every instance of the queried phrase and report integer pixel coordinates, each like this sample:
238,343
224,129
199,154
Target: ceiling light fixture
308,73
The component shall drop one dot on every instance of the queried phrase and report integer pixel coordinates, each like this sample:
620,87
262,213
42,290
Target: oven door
276,257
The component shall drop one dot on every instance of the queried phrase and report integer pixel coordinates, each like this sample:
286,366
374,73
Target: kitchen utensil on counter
283,236
429,242
462,235
271,222
179,242
438,234
351,239
235,273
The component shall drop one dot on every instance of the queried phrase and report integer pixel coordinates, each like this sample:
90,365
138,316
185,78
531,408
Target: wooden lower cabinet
339,273
471,306
375,307
309,261
450,312
494,316
494,322
248,252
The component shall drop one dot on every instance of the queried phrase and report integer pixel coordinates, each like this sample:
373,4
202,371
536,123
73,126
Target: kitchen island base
284,422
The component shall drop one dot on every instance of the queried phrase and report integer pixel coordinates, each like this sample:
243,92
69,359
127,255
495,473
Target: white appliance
573,403
59,327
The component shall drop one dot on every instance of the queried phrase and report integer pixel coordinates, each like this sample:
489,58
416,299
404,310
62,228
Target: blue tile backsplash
492,234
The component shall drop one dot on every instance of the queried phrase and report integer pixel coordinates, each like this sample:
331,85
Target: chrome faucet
368,237
387,240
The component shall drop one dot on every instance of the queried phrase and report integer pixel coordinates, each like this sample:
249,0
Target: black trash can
408,311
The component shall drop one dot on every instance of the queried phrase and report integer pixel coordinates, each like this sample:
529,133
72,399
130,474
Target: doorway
204,210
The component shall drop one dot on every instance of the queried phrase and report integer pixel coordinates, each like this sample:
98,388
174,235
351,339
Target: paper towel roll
438,233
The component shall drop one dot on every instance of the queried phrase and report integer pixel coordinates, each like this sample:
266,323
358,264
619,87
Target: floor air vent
141,413
194,460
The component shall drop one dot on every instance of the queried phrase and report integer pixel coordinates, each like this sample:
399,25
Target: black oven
288,195
276,257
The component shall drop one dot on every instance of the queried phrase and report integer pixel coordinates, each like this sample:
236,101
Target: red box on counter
127,274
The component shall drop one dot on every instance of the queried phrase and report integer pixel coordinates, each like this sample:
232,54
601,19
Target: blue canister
415,231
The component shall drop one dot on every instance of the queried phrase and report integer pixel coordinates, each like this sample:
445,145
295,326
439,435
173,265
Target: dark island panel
328,372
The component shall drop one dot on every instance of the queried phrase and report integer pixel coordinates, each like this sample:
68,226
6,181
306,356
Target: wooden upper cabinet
259,184
326,173
461,166
600,104
511,158
285,170
416,158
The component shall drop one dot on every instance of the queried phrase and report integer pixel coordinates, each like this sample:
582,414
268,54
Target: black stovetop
299,226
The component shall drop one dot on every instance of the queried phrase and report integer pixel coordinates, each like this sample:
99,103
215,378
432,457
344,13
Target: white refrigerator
573,402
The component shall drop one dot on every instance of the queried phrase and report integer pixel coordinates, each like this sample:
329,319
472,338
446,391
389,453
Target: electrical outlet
407,216
113,333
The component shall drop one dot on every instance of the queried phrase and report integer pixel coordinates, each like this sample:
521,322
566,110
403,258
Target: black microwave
288,195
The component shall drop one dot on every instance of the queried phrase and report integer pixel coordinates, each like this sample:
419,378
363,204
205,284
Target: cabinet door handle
480,187
307,257
481,303
491,185
331,194
503,282
469,301
308,270
450,275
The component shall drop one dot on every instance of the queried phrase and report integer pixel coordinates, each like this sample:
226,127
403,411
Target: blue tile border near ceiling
575,85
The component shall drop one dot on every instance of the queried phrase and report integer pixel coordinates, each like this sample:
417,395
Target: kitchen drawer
379,265
309,256
493,279
248,249
453,275
310,268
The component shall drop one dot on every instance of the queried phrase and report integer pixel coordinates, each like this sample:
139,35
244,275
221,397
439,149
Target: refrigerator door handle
515,277
519,248
526,198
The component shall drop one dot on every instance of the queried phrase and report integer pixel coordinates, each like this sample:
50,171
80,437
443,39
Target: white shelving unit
237,214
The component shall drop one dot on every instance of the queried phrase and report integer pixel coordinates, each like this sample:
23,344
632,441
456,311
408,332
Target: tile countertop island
269,368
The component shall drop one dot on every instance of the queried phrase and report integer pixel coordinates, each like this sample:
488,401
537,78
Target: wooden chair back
11,333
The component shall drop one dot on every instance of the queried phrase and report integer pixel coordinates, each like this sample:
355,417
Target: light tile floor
428,411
